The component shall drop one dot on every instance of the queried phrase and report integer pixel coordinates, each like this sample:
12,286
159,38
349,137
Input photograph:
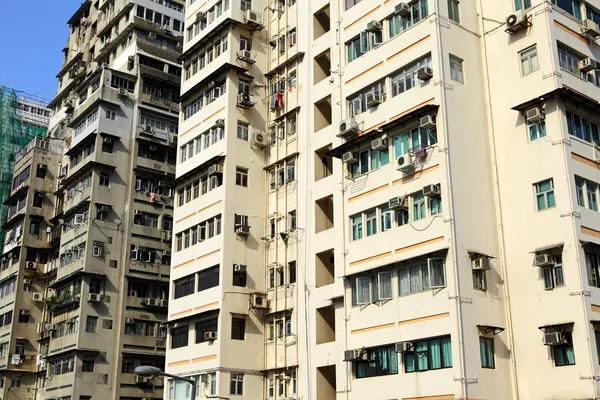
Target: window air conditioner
402,9
398,202
427,122
200,16
239,268
374,26
373,99
379,144
405,347
587,65
481,264
590,27
425,73
104,208
215,169
553,339
348,128
210,335
94,298
253,18
220,123
349,158
534,114
543,260
431,190
355,355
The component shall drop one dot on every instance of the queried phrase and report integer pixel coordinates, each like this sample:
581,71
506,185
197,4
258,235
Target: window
564,354
208,278
529,61
292,272
238,328
419,211
435,205
486,350
479,280
91,324
537,130
369,160
522,4
429,355
453,12
582,128
456,69
418,12
41,171
573,7
246,5
366,99
351,3
236,384
34,227
179,337
357,227
406,78
371,220
292,36
241,176
111,113
104,179
553,274
569,61
579,189
592,195
88,365
242,130
380,361
209,325
544,192
184,286
38,199
292,220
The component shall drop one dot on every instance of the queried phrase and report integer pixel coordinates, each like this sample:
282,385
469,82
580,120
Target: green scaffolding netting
15,133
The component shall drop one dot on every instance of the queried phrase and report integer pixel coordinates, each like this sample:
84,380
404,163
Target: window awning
564,92
557,246
564,327
490,329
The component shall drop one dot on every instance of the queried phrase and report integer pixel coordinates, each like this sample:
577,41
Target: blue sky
32,35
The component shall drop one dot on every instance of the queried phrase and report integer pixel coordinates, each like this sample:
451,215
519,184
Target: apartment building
385,199
101,242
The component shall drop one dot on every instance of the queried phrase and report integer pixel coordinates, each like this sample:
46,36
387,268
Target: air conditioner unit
244,99
24,312
200,16
163,303
122,92
425,73
258,300
239,268
587,65
215,169
431,190
220,123
242,230
104,208
402,9
49,327
74,248
481,264
151,302
40,194
36,296
543,260
259,140
210,335
107,140
152,148
253,18
379,144
405,163
374,26
405,347
31,265
516,21
151,35
427,122
373,99
553,339
138,212
348,127
349,158
398,202
129,320
590,27
140,379
148,129
354,355
97,251
94,297
161,183
245,55
534,114
78,219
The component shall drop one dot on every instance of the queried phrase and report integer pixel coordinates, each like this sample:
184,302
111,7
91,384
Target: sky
32,35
